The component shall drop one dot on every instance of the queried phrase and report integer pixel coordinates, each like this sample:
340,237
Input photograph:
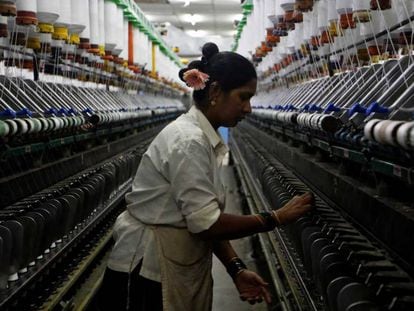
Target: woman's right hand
294,209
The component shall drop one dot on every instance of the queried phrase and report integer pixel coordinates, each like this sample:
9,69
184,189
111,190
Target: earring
213,103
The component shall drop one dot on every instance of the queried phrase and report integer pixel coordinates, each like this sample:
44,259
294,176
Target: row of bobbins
34,226
23,126
390,132
318,121
110,117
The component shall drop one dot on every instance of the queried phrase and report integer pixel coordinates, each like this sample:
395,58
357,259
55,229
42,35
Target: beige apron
185,262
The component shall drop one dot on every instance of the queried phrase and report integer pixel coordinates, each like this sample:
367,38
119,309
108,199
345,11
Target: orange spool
374,50
380,4
315,41
94,49
289,17
346,21
26,18
108,56
324,39
84,44
8,8
304,5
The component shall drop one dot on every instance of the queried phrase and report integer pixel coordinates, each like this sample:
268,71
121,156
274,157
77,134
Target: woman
174,219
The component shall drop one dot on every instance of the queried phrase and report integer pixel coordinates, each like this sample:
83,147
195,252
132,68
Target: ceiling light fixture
192,18
187,3
197,33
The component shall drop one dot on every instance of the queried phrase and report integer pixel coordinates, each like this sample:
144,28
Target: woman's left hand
251,287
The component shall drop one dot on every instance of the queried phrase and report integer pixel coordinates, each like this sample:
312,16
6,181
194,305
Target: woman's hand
251,287
294,209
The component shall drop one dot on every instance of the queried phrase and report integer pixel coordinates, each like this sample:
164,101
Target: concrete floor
225,295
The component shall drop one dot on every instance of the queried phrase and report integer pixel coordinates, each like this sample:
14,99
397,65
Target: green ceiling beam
134,14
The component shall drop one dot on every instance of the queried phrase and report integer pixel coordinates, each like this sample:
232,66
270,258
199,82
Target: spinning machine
334,115
84,87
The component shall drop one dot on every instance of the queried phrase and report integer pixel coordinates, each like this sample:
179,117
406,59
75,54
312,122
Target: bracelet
235,267
269,220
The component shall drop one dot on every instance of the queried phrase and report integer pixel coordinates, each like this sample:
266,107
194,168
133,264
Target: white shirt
177,184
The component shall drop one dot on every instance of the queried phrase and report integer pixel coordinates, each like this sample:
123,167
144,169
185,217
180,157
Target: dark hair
230,70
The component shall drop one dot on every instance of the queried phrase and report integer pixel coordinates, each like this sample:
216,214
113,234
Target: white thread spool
110,25
314,31
332,13
257,21
65,13
120,32
64,21
379,131
26,12
369,127
391,132
136,45
278,9
321,8
307,21
94,21
12,127
47,11
124,53
403,133
80,16
287,5
4,129
22,126
26,5
270,13
101,19
343,6
262,24
124,37
361,5
269,9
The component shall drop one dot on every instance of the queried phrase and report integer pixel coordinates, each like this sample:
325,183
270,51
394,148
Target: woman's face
232,106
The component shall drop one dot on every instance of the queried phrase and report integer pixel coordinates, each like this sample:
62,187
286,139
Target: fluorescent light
196,33
150,17
192,18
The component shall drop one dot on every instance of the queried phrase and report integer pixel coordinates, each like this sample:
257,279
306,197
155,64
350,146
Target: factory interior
86,86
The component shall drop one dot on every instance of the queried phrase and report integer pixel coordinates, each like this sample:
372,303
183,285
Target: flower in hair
196,79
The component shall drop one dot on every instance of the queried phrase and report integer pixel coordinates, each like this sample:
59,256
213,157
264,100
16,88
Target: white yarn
26,5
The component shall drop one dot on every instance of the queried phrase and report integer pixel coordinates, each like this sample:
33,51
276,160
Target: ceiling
203,20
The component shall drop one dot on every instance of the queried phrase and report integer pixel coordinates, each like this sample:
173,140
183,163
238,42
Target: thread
46,28
60,33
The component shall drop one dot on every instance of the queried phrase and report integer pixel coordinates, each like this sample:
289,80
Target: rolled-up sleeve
192,185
